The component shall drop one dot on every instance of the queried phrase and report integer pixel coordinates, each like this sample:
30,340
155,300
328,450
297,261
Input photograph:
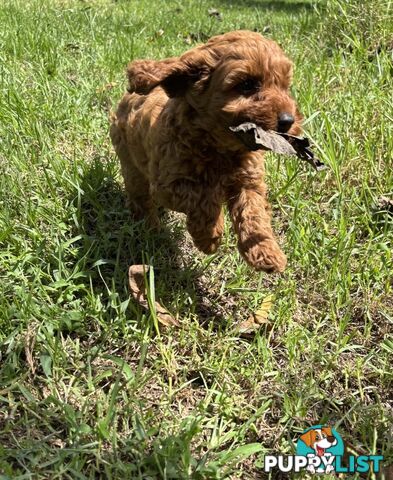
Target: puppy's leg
137,187
206,226
203,207
137,190
250,215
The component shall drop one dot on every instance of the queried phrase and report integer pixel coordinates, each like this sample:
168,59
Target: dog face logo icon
321,445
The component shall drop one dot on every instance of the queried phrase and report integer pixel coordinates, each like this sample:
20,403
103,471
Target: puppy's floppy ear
193,69
183,77
173,74
144,75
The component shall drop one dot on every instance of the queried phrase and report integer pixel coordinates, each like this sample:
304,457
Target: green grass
88,389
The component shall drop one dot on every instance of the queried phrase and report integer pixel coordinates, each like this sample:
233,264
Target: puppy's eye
248,86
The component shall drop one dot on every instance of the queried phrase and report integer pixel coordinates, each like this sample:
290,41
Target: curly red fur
171,133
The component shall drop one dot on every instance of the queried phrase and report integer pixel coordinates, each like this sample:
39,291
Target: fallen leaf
261,315
57,442
213,12
385,204
248,326
258,318
30,339
136,282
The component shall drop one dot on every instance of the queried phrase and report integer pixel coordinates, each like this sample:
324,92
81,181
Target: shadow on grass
113,241
47,433
275,5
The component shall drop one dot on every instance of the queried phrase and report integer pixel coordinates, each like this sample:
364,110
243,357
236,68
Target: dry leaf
29,340
386,204
57,442
255,138
136,282
213,12
258,318
248,326
261,315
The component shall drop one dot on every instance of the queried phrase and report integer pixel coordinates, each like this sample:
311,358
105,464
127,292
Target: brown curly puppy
171,133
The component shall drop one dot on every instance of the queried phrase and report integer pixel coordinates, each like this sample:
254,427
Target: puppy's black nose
285,122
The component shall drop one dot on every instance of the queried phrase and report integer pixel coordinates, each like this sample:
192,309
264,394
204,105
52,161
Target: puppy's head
233,78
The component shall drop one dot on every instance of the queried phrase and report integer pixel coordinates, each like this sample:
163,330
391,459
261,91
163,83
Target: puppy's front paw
264,255
207,245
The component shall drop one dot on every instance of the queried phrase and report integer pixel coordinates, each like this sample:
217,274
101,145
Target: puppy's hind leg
206,227
138,198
